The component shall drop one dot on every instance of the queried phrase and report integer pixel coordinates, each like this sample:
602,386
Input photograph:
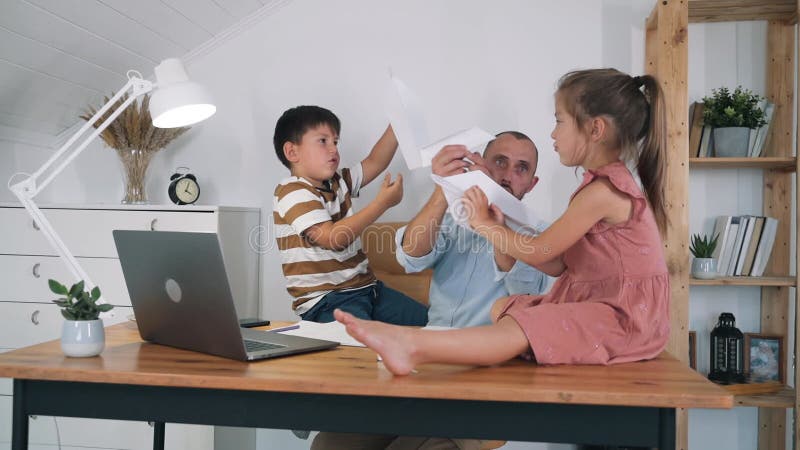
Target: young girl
611,302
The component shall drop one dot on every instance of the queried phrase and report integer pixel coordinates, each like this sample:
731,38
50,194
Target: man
468,274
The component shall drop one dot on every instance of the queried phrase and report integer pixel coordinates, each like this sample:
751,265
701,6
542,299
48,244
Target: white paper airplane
513,208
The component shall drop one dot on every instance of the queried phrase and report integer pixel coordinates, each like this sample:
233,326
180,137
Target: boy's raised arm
338,235
379,157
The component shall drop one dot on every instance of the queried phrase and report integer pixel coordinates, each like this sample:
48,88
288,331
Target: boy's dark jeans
376,302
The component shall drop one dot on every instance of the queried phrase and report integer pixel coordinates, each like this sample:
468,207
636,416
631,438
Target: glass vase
134,164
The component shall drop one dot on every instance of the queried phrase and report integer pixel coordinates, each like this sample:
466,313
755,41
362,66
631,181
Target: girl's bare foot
393,343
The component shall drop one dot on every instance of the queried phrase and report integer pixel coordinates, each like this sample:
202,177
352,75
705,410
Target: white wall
472,64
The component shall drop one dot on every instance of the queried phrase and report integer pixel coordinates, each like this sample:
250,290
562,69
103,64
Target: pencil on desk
290,327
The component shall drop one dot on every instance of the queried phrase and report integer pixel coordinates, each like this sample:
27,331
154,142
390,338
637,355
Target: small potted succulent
82,334
702,247
732,115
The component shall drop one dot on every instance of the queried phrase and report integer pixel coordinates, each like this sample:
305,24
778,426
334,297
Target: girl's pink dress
611,304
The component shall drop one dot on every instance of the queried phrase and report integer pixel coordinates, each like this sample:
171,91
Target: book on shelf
695,127
728,239
750,222
752,246
721,226
706,143
762,133
730,268
765,245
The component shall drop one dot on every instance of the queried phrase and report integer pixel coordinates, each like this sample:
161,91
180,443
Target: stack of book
701,142
744,244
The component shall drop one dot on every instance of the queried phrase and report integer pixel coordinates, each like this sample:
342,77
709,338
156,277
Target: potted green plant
732,115
82,334
702,247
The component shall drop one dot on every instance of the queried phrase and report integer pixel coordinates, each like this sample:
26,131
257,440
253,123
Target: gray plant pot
704,268
731,142
83,338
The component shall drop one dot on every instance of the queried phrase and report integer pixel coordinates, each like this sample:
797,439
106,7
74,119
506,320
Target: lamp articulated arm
28,188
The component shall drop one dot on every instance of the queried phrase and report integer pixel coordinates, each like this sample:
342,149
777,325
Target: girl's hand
480,213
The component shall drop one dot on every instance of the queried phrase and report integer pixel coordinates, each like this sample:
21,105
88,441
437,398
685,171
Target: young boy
318,232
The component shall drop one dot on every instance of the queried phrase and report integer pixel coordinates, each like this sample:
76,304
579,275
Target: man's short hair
520,137
295,122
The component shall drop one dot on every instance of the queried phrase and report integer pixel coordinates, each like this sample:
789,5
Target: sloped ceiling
58,56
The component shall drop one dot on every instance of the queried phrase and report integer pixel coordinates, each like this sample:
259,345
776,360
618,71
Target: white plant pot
83,338
704,268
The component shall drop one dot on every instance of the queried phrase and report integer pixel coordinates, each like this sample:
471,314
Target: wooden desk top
662,382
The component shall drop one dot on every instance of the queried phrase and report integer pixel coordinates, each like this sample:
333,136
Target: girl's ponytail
652,160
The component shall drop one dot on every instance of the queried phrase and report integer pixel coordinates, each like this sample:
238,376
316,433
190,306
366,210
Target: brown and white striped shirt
312,271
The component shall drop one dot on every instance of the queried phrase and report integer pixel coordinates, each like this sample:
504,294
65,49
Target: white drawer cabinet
86,231
28,317
25,277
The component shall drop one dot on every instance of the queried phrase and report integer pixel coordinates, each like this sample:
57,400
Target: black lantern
727,351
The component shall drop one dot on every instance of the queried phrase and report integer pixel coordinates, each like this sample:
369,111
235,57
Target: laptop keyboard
256,346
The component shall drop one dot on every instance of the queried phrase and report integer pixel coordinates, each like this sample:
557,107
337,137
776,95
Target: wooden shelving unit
734,10
666,49
788,164
782,399
747,281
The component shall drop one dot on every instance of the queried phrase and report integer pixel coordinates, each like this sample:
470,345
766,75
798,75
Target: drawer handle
36,270
153,224
35,225
35,317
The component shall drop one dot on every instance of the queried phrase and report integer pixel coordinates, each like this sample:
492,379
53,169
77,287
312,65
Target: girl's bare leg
403,348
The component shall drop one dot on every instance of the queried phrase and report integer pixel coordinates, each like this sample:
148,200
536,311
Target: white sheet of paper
331,331
408,122
513,208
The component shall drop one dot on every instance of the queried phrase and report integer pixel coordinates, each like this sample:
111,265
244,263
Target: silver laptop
181,297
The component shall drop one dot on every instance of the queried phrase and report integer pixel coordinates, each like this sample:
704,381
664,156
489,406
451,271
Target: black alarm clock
183,188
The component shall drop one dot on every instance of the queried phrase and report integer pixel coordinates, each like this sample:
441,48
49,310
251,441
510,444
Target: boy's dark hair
294,123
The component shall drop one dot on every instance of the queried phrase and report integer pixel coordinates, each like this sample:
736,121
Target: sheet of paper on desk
512,207
332,331
408,122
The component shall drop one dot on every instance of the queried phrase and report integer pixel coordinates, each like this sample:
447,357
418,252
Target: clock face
187,190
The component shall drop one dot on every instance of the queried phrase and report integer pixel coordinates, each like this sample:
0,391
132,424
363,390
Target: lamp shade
176,101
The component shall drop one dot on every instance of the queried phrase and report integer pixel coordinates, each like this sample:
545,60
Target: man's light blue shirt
466,280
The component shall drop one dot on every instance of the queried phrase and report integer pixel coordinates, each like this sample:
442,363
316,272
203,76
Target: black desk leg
666,429
19,427
158,435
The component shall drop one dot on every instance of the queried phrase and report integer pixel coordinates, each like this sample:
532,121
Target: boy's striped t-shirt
312,271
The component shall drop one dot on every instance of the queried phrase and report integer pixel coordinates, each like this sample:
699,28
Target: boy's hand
391,191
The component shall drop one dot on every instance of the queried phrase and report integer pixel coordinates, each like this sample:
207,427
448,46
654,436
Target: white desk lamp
176,102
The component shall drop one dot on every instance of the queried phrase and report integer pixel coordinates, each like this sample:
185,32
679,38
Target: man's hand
450,161
391,191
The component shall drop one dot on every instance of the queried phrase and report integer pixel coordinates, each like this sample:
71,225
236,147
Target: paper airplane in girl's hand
517,214
405,114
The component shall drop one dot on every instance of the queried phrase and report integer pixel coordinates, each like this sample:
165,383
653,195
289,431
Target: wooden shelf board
781,399
746,281
771,162
735,10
